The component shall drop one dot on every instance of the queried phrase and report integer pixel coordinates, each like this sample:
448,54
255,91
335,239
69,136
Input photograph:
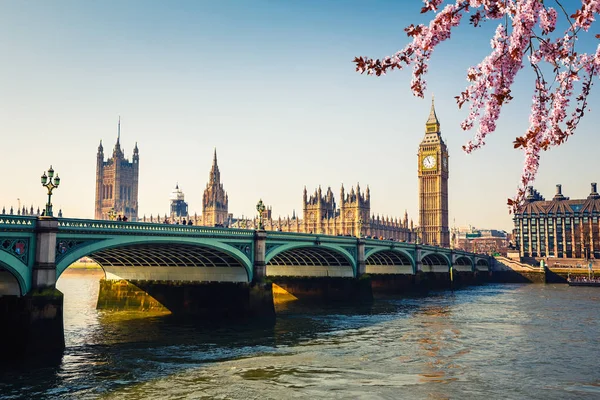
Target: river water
495,341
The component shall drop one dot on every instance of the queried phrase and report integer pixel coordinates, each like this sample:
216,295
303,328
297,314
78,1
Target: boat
583,281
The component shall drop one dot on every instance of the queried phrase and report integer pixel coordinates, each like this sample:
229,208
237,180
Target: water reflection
494,341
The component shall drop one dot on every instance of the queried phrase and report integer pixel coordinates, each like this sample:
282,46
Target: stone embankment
506,270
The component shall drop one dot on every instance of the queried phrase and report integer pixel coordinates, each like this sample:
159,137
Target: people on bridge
183,222
119,218
125,219
190,222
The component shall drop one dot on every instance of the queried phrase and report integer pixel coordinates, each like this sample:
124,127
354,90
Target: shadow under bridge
389,262
311,261
170,262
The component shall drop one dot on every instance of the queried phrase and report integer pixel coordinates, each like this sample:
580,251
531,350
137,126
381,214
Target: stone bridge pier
32,324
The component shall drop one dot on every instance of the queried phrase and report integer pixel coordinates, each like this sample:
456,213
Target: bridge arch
156,258
389,261
435,262
463,263
13,271
302,259
482,264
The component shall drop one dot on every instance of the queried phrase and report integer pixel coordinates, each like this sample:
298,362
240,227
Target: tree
526,33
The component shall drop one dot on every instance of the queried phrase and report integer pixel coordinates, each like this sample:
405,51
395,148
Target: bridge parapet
20,223
96,226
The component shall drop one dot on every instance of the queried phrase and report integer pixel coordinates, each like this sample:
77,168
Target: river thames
494,341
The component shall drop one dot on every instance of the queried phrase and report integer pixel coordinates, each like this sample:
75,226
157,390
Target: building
322,215
215,201
433,185
488,241
117,183
179,208
558,228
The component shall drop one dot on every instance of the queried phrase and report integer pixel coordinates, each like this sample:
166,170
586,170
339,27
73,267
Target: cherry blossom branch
527,30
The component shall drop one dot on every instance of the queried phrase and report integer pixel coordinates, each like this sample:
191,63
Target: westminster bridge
203,270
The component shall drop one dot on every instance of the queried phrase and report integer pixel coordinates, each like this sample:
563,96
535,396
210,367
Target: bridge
162,259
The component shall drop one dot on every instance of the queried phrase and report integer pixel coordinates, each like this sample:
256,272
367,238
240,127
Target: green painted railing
90,225
295,236
17,222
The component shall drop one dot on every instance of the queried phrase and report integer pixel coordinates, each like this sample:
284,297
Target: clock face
429,162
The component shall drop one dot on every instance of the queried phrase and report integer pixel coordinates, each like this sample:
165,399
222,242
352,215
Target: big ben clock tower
433,185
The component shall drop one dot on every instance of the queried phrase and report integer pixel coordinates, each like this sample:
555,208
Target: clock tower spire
433,184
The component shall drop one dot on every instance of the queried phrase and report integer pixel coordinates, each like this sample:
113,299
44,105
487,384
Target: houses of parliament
117,195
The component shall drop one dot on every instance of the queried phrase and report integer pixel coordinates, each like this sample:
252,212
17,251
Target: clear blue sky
271,85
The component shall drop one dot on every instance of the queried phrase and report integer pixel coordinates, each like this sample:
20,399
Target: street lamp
260,207
50,184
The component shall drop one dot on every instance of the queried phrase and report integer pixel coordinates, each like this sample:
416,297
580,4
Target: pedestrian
125,218
119,218
183,222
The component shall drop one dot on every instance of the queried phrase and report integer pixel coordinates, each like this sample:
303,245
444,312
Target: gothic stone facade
117,183
433,185
560,228
353,217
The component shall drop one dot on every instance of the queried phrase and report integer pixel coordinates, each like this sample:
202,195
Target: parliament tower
433,184
215,200
117,183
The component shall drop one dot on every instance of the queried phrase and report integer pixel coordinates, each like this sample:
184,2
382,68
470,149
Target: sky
269,84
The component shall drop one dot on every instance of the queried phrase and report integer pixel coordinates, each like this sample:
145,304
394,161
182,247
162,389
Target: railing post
361,265
260,244
44,267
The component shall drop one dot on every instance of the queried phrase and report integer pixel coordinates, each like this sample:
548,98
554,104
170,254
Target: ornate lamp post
359,226
260,207
50,184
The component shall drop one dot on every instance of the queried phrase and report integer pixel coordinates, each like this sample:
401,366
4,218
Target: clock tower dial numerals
429,162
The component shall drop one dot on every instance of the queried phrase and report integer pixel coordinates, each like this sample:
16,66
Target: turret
368,195
136,154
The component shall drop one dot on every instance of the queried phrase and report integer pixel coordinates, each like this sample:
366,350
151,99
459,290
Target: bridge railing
387,242
274,235
10,222
87,225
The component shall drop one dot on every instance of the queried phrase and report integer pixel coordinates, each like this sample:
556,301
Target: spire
432,116
135,149
100,147
433,124
215,176
117,150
